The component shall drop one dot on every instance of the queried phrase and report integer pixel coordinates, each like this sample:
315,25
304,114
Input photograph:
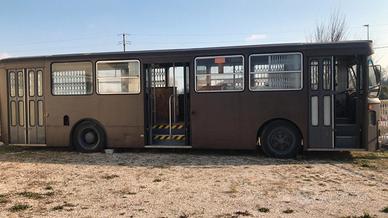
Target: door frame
27,128
148,101
318,133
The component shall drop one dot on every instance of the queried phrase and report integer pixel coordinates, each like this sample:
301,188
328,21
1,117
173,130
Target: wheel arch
84,120
266,123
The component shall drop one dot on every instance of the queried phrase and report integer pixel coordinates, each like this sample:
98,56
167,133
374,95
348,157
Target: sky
45,27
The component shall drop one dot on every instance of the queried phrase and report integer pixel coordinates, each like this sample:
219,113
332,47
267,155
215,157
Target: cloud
255,37
4,55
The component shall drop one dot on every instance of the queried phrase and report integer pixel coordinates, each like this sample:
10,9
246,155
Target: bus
281,98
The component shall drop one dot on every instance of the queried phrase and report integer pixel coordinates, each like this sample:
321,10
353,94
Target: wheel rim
281,140
89,138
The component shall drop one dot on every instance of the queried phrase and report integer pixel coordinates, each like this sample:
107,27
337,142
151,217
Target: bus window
314,80
275,72
21,84
12,84
73,78
31,83
327,74
40,83
118,77
219,74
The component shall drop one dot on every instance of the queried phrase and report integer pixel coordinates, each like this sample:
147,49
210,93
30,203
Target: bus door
321,106
167,94
25,104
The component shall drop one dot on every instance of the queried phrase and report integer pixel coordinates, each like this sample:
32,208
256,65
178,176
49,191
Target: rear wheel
88,136
280,139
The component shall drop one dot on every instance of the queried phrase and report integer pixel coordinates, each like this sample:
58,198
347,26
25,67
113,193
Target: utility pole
367,30
124,41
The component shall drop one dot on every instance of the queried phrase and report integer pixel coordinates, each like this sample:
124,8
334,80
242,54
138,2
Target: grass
288,211
59,207
3,199
48,187
385,210
242,213
108,177
157,180
263,210
34,195
365,215
19,207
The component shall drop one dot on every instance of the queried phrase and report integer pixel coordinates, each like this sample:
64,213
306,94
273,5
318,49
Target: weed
184,216
48,188
242,213
385,210
108,177
263,210
157,180
19,207
31,195
3,199
288,211
59,207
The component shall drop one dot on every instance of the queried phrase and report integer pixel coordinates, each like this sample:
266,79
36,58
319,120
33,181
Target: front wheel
280,139
88,136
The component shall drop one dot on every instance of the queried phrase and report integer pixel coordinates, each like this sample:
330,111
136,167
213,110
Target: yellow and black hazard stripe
166,126
167,137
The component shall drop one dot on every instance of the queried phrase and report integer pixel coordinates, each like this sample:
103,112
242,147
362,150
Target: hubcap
90,137
281,140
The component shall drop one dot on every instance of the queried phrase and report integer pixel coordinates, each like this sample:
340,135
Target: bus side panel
121,116
232,120
3,107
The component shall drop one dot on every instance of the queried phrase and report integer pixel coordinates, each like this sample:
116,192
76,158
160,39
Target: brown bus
282,98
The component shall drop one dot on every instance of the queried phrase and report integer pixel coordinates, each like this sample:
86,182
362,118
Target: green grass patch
59,207
19,207
385,210
263,210
34,195
3,199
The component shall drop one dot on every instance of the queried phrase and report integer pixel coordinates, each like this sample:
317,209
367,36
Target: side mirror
377,69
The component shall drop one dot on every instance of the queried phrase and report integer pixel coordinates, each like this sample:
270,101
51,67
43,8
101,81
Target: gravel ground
41,182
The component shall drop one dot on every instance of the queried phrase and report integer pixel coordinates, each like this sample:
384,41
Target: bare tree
333,31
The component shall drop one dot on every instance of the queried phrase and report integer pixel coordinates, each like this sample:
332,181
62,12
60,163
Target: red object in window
219,60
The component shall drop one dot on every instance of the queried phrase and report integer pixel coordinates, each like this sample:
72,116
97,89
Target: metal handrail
170,115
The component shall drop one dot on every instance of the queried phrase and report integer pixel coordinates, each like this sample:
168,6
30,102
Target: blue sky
42,27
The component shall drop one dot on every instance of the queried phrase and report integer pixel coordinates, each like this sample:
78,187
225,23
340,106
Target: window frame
117,61
218,56
66,62
273,54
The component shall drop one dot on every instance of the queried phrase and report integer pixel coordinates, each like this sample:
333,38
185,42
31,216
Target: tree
333,31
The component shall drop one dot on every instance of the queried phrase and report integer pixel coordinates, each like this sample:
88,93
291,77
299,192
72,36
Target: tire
89,137
280,139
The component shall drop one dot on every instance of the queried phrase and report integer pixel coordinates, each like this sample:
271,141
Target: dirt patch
185,183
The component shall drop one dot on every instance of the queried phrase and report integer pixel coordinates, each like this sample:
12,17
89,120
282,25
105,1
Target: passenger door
321,107
26,106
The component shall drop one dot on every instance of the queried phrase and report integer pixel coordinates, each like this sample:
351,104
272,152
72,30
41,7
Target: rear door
321,107
26,106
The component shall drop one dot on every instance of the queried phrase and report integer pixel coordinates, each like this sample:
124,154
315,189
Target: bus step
167,140
164,129
347,130
346,142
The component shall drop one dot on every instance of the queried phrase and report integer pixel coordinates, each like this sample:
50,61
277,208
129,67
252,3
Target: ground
42,182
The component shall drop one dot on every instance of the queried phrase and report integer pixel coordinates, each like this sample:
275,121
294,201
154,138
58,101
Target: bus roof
357,47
